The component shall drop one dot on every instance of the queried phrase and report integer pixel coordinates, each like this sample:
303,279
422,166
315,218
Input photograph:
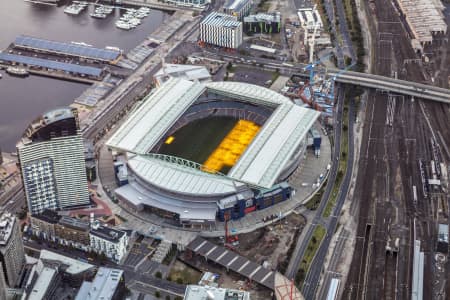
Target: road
297,255
313,277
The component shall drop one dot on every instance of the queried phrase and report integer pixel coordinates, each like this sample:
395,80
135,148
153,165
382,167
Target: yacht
17,71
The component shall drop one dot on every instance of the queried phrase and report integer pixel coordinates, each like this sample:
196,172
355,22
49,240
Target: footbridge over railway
384,83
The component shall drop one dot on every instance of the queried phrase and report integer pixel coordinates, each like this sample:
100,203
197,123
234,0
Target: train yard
404,148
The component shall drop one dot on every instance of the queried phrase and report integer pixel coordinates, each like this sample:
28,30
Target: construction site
257,255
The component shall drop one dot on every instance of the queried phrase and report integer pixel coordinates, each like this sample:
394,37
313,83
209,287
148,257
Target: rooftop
196,292
262,17
57,115
45,279
67,48
102,287
107,233
74,266
50,64
221,20
48,216
74,223
189,72
235,5
6,227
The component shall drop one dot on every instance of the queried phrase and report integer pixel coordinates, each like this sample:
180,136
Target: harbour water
23,99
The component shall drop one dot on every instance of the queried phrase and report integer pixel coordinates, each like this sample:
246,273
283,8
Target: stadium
200,152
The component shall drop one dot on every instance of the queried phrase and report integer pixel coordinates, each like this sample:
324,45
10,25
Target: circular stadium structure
200,152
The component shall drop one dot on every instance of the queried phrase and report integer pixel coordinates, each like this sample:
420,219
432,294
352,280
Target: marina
75,8
24,97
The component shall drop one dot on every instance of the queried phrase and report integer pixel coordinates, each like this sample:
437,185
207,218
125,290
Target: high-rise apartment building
12,254
51,157
221,30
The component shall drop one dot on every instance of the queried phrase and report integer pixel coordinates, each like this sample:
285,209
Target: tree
158,294
167,297
180,280
158,274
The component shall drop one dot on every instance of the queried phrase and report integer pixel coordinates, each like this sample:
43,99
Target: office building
221,30
108,284
51,157
111,242
263,23
12,254
237,8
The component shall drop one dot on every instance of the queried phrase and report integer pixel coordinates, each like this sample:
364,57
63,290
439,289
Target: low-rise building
196,292
192,3
108,284
263,23
189,72
49,271
237,8
221,30
74,232
111,242
44,224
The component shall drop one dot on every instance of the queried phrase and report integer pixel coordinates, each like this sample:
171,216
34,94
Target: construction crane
230,240
311,66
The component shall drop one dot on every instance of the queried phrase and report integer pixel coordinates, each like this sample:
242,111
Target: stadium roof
247,92
49,64
160,110
137,196
184,180
66,48
263,160
276,142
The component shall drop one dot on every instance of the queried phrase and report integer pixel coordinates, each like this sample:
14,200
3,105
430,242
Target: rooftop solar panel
32,61
67,48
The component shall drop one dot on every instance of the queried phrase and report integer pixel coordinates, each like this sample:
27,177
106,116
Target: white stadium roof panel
248,92
146,126
179,178
264,159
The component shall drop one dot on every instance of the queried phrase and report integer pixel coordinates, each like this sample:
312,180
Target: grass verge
310,252
342,163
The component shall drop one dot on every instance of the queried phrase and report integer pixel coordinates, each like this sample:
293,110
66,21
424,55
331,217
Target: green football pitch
198,139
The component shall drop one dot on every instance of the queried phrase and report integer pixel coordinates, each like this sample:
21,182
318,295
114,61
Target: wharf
161,6
56,74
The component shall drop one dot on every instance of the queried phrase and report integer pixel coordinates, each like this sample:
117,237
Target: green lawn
197,140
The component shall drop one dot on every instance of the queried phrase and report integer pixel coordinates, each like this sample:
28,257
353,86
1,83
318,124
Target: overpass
404,87
384,83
